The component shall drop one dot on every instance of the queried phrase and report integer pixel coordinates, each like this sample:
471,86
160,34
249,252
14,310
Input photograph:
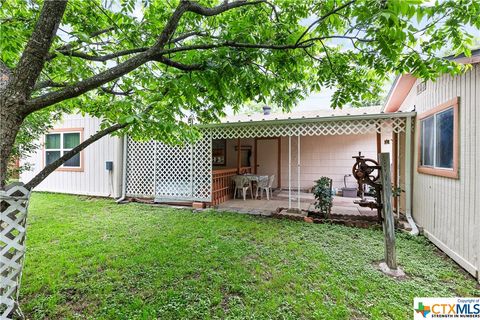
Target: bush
323,195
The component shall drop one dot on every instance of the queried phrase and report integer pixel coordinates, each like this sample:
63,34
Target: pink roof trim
405,82
399,92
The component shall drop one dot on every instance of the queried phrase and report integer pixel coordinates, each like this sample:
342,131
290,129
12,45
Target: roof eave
316,119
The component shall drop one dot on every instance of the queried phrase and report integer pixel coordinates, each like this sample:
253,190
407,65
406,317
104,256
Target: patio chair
243,184
265,183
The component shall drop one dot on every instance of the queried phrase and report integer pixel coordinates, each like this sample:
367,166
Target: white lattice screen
170,173
140,170
317,128
13,212
185,173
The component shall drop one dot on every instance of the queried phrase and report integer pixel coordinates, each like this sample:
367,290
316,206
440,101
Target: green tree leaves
276,53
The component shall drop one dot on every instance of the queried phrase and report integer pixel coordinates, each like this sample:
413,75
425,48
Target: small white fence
13,211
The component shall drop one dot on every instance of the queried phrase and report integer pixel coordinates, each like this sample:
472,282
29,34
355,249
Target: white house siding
449,209
329,155
95,179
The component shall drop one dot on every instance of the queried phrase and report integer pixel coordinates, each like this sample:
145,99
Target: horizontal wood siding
94,179
449,209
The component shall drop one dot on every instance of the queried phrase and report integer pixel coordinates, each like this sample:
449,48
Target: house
428,127
297,148
84,174
446,146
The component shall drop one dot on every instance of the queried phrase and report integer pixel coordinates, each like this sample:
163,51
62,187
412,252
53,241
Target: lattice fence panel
174,178
168,172
202,164
361,126
13,211
184,172
140,168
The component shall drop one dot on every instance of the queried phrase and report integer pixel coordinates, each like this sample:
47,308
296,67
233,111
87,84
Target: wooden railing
222,183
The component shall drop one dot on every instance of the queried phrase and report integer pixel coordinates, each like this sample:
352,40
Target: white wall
449,209
329,156
94,180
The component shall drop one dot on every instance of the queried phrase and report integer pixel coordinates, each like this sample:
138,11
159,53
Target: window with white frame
58,143
438,140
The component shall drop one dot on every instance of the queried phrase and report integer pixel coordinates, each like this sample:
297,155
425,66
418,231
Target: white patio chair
243,184
265,183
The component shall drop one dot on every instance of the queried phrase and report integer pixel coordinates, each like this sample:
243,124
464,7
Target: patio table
251,178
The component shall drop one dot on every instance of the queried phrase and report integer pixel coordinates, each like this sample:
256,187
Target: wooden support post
388,220
239,151
395,169
255,147
379,142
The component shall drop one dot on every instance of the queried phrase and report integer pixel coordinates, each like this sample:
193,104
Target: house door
268,153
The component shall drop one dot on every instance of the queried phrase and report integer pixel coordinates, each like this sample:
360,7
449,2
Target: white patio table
252,178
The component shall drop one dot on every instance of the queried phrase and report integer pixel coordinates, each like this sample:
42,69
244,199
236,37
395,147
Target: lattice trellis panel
170,173
202,164
13,210
174,172
362,126
184,173
140,168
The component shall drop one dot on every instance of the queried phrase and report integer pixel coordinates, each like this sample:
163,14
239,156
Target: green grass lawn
92,258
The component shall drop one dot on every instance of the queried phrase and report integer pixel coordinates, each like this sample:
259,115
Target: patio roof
312,114
272,126
347,114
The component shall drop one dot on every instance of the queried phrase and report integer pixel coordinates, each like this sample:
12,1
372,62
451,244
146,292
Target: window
438,154
58,143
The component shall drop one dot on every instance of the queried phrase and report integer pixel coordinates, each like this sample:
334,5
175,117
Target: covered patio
296,150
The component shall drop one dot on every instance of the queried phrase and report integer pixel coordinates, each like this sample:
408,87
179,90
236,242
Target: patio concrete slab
341,206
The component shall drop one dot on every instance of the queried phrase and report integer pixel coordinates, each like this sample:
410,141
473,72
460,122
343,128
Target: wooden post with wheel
388,220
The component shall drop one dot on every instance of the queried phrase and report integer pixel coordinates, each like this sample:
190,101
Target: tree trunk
10,123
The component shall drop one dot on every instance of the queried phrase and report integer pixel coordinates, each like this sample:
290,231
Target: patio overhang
174,173
292,127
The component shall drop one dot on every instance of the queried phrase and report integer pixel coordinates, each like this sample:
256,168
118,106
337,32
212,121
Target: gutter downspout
124,169
408,177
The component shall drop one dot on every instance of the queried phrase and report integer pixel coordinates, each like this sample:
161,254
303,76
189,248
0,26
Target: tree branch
116,93
35,181
205,11
86,85
153,53
187,35
231,44
335,37
325,16
113,73
179,65
48,84
33,58
103,58
69,47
